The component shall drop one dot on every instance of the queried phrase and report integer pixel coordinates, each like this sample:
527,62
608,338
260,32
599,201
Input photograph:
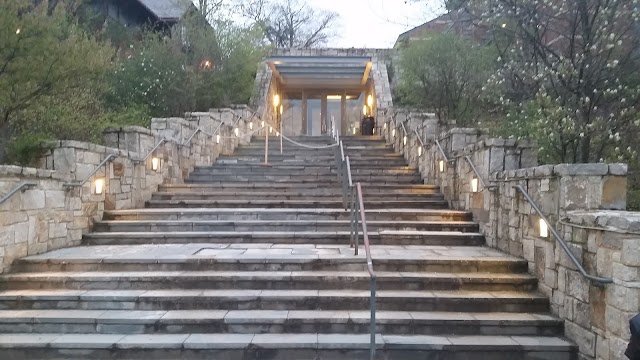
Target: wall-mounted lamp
365,110
262,125
99,186
276,101
281,109
270,129
393,133
419,151
544,229
370,101
404,140
441,165
237,132
251,125
354,130
474,185
155,163
277,133
218,139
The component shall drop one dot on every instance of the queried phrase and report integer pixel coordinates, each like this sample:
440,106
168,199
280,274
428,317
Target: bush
633,200
24,149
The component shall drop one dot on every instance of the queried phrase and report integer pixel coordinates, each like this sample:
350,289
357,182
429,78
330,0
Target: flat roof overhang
340,72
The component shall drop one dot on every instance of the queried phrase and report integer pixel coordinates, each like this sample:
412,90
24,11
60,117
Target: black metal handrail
21,187
599,281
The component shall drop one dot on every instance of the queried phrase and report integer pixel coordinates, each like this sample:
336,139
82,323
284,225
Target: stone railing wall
52,215
572,197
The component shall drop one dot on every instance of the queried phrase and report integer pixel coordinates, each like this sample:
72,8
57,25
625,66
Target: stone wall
577,199
52,214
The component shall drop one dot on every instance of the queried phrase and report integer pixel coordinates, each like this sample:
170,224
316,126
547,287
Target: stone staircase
252,262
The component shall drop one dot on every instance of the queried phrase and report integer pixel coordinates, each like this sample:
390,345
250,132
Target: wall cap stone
582,169
611,219
28,172
130,129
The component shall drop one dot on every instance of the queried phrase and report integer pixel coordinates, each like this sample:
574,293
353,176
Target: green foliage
633,200
446,73
25,148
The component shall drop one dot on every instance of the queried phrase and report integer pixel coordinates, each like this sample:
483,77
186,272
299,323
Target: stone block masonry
584,202
52,215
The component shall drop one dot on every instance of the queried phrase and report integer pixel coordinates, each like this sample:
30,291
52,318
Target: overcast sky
376,23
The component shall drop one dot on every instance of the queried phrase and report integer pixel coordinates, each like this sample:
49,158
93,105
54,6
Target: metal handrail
21,187
444,155
419,138
194,134
103,163
372,275
598,281
478,176
153,150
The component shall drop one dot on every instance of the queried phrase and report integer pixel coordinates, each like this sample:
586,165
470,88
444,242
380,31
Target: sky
376,23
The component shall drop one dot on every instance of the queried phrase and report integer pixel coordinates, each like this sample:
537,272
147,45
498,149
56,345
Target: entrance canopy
338,72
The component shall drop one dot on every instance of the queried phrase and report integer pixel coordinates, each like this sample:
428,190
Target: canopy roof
339,72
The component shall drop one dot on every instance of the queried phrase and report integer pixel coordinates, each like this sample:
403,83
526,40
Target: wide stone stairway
252,262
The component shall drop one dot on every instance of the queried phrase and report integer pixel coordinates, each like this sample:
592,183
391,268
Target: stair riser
450,266
290,326
536,305
274,227
213,204
312,171
385,240
249,194
293,188
287,216
203,282
453,353
326,180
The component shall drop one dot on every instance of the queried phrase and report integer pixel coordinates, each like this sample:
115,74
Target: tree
445,73
568,74
290,23
43,53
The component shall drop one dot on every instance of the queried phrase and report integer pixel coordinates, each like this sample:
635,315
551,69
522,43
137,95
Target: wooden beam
365,76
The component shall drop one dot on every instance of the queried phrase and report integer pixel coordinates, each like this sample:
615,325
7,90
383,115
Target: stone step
275,322
308,202
386,237
273,225
355,162
312,194
285,214
299,167
300,170
267,280
238,299
271,257
299,346
373,189
327,180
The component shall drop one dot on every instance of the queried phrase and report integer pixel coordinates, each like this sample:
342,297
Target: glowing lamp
419,151
441,165
18,31
155,164
354,131
384,126
281,109
474,185
237,132
276,100
218,139
404,140
370,101
270,129
364,110
262,123
251,125
393,133
544,229
99,186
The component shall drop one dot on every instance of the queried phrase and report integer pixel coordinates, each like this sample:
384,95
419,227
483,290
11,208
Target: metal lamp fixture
544,229
419,151
474,185
404,140
98,187
218,139
441,165
155,163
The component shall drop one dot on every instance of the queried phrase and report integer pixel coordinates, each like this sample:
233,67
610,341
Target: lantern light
218,139
364,110
474,185
270,130
441,165
99,186
251,125
155,163
384,126
276,100
419,151
370,101
404,140
18,31
393,133
281,109
237,132
544,229
354,130
262,123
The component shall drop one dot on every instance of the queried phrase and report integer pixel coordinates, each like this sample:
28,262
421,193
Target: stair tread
297,340
135,295
264,316
276,210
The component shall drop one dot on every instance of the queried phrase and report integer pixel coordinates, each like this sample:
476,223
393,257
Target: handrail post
356,212
372,321
266,145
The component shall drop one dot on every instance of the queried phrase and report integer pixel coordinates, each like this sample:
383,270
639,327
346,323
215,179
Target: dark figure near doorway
633,350
367,125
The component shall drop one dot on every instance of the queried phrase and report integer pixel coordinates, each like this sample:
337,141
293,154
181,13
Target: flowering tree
568,76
